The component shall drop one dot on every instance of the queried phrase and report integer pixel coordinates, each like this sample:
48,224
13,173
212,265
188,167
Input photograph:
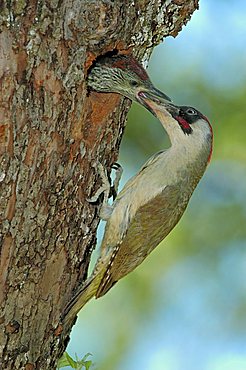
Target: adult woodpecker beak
156,101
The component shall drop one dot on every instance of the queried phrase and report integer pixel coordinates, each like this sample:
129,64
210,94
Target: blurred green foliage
226,111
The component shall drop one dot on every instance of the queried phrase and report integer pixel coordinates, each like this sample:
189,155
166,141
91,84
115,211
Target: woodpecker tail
87,291
84,294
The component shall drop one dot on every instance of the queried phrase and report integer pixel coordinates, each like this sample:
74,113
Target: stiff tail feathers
87,291
96,285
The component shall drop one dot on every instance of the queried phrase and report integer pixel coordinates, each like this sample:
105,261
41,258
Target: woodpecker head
184,125
124,75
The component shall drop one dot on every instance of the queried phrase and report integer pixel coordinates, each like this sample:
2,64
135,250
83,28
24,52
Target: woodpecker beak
157,94
152,94
156,101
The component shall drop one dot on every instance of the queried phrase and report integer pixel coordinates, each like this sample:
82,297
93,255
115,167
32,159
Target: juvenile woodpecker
153,201
124,75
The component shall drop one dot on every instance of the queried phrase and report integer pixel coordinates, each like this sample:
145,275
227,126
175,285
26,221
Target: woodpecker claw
104,188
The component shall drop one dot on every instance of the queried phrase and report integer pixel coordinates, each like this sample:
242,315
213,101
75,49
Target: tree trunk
53,133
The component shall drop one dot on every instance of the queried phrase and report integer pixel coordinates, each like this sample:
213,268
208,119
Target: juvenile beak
157,101
157,94
152,94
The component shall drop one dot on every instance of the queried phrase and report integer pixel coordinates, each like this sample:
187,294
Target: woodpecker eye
191,111
133,83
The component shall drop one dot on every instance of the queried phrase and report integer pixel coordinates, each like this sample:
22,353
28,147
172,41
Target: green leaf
62,362
67,360
87,365
86,356
71,362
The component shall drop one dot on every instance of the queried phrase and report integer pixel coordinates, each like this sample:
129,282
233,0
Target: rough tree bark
52,133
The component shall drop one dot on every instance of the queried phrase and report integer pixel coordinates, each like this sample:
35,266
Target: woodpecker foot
104,188
107,189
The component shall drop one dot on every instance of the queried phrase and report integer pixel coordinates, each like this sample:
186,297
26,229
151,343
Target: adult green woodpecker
152,202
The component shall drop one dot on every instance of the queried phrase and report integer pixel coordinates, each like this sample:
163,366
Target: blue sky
214,41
